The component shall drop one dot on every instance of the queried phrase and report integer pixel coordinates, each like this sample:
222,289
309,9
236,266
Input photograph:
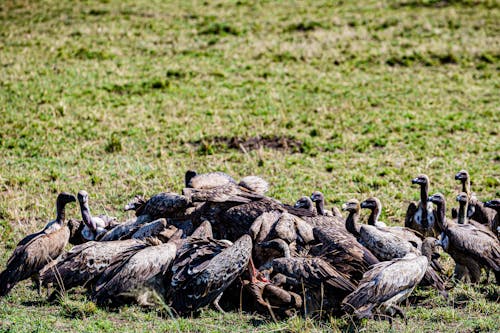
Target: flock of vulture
226,244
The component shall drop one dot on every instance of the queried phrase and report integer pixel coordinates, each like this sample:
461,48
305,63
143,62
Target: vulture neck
61,211
281,246
441,217
466,186
373,218
424,194
320,207
462,213
87,217
350,223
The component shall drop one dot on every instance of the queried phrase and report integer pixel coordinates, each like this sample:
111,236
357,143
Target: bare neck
462,213
350,223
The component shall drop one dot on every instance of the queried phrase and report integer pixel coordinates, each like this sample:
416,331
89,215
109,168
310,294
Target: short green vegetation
353,98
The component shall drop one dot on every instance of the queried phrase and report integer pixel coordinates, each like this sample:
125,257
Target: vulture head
462,198
493,204
421,180
317,196
462,176
372,203
304,202
190,174
351,206
83,197
137,204
438,199
64,198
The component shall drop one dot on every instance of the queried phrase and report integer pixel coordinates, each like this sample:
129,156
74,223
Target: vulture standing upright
37,250
420,216
468,245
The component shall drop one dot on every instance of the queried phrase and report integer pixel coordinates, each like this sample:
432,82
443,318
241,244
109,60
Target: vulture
408,234
420,216
165,204
495,223
479,212
37,250
162,205
388,243
278,230
94,226
463,177
139,278
231,220
343,251
314,218
254,184
319,199
228,192
203,269
375,206
475,209
83,264
462,218
207,180
321,284
468,245
384,286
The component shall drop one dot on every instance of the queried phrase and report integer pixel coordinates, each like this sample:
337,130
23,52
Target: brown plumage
420,216
37,250
324,286
388,243
385,285
272,228
203,269
481,213
255,184
475,209
208,180
83,264
343,251
495,223
164,204
125,229
227,192
468,245
462,218
157,228
139,279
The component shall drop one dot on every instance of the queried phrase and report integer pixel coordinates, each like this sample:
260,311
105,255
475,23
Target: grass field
122,97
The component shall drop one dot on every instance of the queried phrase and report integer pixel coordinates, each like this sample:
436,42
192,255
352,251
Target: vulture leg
399,312
216,303
37,283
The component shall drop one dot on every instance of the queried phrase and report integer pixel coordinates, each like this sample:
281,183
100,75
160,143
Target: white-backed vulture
37,250
420,216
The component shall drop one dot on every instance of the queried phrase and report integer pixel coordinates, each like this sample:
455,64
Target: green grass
121,97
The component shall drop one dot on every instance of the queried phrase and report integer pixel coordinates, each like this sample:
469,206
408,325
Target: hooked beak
344,207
